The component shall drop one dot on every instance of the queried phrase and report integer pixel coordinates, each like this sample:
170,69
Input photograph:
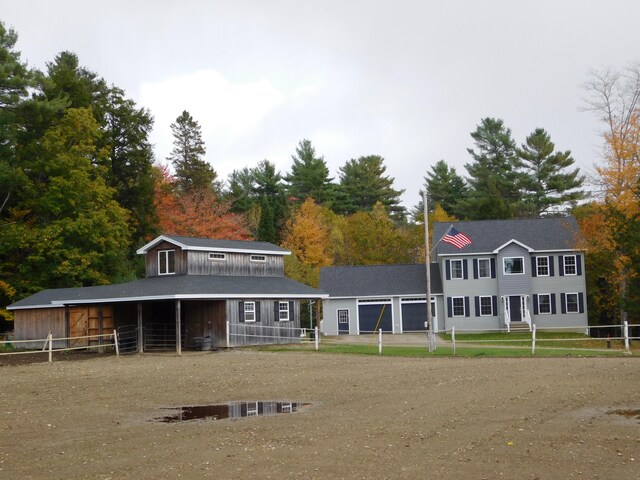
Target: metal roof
538,234
169,287
374,280
211,244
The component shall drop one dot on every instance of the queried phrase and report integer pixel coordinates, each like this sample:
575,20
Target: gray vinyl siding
513,284
330,309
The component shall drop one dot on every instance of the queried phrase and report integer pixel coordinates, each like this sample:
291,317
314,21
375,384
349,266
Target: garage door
369,315
414,316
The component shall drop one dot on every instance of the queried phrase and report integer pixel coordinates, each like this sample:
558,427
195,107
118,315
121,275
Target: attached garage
375,315
414,316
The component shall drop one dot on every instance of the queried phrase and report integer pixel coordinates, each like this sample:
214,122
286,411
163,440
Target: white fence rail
48,344
257,334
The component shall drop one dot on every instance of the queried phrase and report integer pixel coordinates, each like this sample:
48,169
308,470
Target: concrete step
519,327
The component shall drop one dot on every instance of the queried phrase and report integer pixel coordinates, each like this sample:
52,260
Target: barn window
249,311
258,258
283,311
217,256
166,262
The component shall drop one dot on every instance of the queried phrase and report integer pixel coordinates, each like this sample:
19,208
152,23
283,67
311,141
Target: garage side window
343,317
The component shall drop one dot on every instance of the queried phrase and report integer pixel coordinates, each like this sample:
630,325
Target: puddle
231,410
628,414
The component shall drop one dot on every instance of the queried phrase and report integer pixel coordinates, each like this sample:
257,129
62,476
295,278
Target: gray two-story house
513,274
229,292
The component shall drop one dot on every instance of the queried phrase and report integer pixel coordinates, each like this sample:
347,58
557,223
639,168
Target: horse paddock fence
103,342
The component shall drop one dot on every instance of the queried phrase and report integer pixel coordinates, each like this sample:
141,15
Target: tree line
80,188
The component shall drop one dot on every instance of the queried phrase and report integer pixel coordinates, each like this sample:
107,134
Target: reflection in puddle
231,410
630,414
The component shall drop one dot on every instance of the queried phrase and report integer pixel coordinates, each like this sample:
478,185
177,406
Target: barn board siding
235,264
263,332
36,324
151,259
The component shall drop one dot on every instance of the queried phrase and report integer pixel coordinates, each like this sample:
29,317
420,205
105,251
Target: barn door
78,326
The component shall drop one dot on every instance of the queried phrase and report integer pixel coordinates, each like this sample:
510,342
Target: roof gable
210,244
490,236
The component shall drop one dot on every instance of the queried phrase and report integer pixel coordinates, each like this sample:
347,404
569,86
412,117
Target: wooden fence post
316,339
380,342
115,341
228,335
626,337
453,340
533,340
50,339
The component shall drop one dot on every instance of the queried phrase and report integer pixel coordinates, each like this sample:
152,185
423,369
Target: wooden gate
89,320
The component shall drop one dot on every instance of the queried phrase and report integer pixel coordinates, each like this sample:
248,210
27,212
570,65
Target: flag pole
427,260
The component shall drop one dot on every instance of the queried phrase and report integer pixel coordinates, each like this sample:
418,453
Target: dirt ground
372,417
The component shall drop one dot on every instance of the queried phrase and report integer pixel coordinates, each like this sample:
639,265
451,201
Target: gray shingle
371,280
560,233
213,244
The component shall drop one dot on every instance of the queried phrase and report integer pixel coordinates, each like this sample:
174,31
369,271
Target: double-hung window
486,306
166,262
458,306
457,271
484,268
544,303
283,311
542,266
570,265
572,303
249,311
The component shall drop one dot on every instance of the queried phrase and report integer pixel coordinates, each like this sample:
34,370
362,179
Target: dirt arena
372,417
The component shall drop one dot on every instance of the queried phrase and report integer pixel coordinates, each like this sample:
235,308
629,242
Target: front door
515,308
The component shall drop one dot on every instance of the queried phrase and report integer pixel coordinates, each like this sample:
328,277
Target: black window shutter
448,269
535,304
477,302
465,269
291,311
466,307
561,265
494,301
449,307
579,266
563,305
475,268
551,265
534,267
553,303
276,311
257,311
493,268
580,302
241,311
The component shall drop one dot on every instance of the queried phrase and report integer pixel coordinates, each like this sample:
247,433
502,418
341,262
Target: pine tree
192,171
309,177
266,227
445,188
545,180
363,185
493,175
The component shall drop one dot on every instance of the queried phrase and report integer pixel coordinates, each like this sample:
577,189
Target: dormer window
166,262
258,258
221,257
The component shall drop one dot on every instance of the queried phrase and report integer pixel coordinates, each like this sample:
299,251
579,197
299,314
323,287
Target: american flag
456,238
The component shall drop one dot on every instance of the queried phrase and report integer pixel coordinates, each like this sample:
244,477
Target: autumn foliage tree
197,213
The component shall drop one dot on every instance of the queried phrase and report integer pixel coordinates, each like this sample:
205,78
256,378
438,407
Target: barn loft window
217,256
283,311
258,258
166,262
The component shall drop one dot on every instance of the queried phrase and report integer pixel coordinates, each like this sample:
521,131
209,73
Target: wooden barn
197,294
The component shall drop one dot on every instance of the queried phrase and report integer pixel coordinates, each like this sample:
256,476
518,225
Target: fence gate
128,339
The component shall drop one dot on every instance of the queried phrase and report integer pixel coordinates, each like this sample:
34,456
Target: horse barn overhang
183,287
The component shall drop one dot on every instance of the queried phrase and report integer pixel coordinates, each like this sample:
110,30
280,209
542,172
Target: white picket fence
48,344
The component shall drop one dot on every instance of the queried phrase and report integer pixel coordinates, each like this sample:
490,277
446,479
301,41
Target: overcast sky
407,80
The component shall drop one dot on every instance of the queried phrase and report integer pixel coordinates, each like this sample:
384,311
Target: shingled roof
173,288
210,244
373,280
539,234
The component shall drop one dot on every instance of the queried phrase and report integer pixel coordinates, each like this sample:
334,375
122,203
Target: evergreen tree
240,191
309,177
192,171
445,188
363,184
493,174
131,162
545,181
268,183
266,227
